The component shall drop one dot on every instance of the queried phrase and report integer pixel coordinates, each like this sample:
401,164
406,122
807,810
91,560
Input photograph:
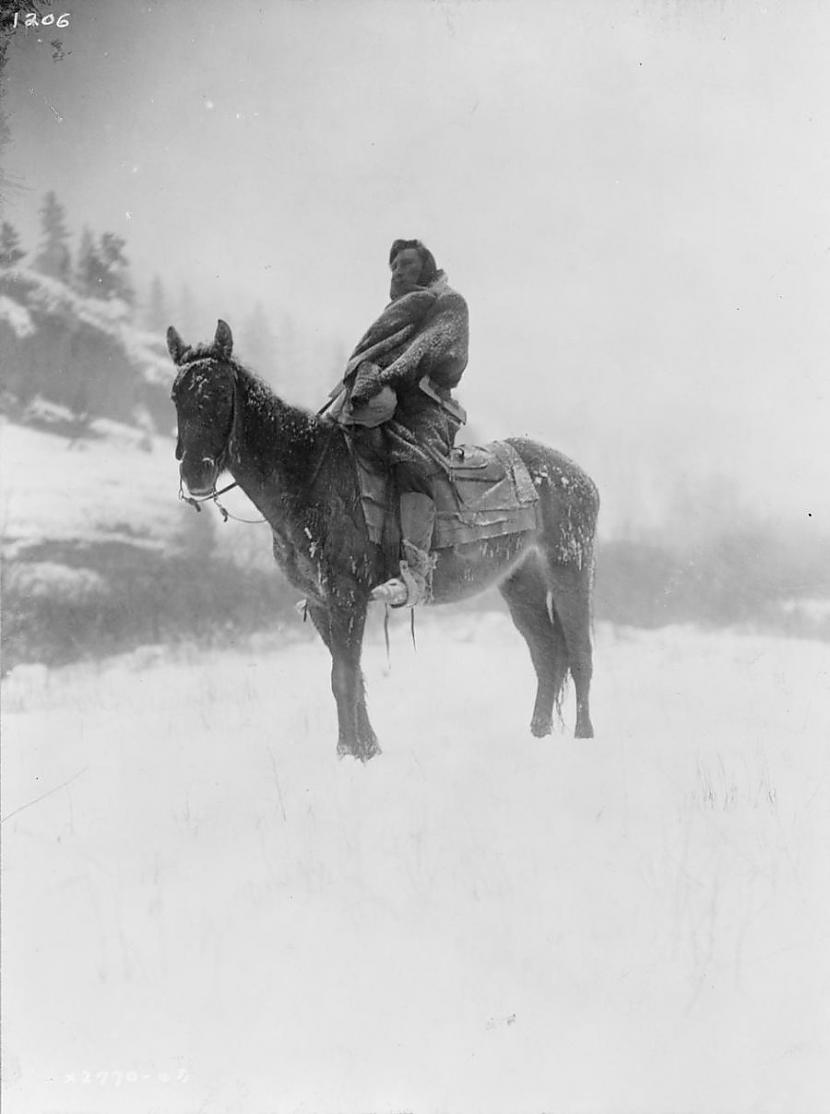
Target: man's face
406,272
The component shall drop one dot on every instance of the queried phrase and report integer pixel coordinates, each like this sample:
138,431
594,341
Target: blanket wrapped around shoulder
421,333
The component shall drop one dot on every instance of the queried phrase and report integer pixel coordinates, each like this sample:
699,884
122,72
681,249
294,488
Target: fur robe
423,333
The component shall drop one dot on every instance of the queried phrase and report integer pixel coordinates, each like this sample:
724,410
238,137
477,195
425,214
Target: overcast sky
633,198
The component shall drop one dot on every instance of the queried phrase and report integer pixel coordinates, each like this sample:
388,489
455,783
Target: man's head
412,266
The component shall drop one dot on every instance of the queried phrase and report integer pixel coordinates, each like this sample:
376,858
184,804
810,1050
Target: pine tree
53,258
116,282
102,270
10,249
88,266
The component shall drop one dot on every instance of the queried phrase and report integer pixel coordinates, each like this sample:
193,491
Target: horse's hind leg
342,633
525,592
571,591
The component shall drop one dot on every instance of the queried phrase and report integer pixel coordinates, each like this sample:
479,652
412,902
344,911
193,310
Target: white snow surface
17,316
86,489
119,484
205,910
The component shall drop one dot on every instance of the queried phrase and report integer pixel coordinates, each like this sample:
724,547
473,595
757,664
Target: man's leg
417,521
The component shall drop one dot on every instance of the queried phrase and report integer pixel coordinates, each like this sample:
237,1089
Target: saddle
486,492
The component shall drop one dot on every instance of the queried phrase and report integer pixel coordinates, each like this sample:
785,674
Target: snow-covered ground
118,483
206,911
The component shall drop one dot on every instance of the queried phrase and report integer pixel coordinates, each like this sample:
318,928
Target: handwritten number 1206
31,20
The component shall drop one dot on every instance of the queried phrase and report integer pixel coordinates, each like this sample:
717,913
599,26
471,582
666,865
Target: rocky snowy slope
99,553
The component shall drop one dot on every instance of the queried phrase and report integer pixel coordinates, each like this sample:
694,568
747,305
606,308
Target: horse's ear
175,345
223,341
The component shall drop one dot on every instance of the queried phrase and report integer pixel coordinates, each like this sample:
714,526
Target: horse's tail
561,660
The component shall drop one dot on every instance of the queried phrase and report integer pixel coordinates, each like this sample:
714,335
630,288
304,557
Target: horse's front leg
342,631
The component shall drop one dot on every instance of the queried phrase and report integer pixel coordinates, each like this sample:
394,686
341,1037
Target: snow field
87,489
119,485
476,920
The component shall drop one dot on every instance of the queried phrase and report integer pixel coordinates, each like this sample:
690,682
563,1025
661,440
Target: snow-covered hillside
111,483
99,554
87,353
114,483
206,910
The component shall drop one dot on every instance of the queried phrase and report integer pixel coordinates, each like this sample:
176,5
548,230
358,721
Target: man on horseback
399,378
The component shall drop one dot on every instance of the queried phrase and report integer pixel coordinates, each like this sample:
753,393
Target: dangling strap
412,629
323,454
386,636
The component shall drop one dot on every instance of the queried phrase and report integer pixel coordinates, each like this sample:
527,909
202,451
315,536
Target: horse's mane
260,393
304,442
264,398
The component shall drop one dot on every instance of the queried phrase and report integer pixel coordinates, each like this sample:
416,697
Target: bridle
196,501
213,496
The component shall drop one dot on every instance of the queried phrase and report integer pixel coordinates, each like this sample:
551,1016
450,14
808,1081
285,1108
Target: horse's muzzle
199,478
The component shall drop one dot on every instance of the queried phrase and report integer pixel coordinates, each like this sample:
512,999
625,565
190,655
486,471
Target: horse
298,470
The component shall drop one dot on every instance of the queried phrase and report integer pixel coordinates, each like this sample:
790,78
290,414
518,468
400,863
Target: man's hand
360,396
366,385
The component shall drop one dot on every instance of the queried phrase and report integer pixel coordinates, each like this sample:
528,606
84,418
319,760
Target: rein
196,500
213,496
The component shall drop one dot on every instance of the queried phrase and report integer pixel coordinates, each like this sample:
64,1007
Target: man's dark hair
429,268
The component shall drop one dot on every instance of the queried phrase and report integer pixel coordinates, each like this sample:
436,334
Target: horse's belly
467,570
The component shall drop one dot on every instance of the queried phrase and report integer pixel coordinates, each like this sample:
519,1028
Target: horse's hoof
372,750
363,751
541,727
367,750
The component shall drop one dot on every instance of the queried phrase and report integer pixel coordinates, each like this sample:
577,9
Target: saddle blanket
489,493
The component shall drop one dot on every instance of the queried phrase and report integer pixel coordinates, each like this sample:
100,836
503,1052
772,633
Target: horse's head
204,397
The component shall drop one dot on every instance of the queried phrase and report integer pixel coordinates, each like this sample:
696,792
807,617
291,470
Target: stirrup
407,590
